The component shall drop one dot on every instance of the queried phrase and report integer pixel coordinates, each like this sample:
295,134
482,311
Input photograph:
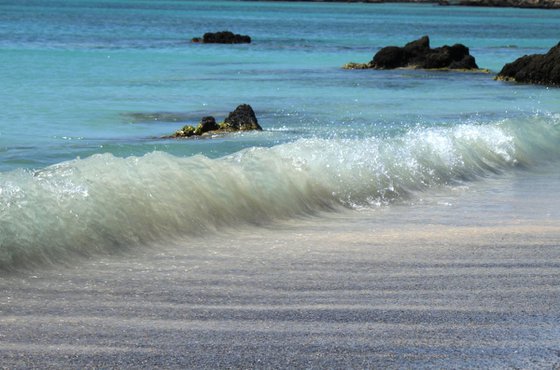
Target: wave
105,203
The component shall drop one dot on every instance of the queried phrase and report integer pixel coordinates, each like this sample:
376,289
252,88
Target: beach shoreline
349,289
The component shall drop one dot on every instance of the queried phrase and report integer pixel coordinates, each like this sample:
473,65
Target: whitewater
105,202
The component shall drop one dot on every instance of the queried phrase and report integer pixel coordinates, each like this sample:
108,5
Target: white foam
103,202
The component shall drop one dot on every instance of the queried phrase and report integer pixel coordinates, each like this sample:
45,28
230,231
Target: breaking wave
105,203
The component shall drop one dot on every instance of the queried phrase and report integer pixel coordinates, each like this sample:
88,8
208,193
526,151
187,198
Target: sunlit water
90,87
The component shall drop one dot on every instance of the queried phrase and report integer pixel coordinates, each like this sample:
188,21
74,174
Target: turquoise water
90,87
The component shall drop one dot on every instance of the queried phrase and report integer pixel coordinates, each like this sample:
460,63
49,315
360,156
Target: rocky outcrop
223,37
541,4
418,55
208,124
543,69
243,118
544,4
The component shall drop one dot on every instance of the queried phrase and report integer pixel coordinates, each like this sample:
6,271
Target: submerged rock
418,55
353,65
186,131
223,37
543,69
243,118
141,117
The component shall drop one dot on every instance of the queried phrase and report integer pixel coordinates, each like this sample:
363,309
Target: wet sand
388,288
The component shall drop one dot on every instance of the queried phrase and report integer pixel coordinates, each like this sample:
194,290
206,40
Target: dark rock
224,37
541,69
543,4
458,51
466,63
435,60
418,54
389,57
208,124
242,118
417,48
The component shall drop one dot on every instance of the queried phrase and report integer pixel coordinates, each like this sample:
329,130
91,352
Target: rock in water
207,124
418,54
242,118
389,57
224,37
543,69
186,131
544,4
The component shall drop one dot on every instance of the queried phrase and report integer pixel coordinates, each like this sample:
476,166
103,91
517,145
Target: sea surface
90,87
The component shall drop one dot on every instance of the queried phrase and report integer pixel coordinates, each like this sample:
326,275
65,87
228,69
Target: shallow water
465,278
92,86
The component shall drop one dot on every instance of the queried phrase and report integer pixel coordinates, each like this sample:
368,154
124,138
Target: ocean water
90,87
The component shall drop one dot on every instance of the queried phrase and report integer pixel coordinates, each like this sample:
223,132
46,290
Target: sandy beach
351,289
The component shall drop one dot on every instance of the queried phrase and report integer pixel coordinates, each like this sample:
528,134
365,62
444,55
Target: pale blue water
85,79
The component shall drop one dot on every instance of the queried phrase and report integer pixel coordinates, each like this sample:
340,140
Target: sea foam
104,203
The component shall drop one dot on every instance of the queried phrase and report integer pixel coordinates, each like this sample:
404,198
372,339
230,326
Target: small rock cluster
243,118
223,37
418,54
542,69
542,4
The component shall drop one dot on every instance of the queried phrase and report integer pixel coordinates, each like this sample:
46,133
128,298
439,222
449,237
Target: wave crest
103,203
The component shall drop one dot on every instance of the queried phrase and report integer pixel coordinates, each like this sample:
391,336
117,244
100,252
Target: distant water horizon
543,4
